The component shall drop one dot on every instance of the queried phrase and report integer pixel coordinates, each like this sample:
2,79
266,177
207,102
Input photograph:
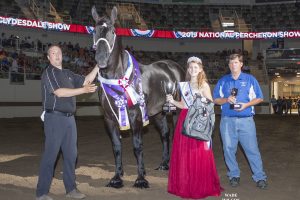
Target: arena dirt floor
21,145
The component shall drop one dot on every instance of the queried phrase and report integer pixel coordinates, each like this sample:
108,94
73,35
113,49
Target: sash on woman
186,93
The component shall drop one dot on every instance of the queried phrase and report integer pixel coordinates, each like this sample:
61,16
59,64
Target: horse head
104,36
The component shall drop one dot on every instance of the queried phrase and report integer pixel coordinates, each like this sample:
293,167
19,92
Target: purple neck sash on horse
126,92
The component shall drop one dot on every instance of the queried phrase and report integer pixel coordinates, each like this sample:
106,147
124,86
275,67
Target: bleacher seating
157,16
181,17
10,8
81,60
278,17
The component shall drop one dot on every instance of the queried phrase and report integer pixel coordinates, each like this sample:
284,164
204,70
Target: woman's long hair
201,76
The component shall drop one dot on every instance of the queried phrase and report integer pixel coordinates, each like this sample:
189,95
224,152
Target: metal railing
34,7
49,10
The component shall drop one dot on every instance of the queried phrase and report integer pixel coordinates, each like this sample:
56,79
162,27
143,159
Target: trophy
234,92
169,88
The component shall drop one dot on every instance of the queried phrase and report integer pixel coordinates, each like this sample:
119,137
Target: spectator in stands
273,102
15,76
260,60
245,54
12,41
66,58
274,45
224,53
246,69
70,46
4,62
279,105
259,57
237,124
2,53
26,43
289,103
284,105
39,45
76,47
3,39
14,66
59,87
298,106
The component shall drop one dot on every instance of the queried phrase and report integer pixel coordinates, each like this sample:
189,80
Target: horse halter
110,48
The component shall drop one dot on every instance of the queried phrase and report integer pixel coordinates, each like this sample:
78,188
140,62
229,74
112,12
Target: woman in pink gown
192,171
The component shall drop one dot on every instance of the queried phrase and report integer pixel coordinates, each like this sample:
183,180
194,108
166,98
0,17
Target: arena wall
25,101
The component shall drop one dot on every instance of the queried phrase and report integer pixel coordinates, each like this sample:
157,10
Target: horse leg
137,140
160,122
175,116
114,134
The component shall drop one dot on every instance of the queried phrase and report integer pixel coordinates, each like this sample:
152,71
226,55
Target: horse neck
116,66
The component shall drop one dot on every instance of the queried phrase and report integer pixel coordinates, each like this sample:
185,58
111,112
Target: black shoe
234,181
262,184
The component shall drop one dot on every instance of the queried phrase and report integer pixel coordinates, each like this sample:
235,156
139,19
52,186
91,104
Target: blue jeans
60,133
234,130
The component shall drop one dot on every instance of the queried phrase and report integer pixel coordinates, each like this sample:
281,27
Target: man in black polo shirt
59,88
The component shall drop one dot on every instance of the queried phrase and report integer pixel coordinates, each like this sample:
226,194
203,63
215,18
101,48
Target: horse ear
95,14
114,14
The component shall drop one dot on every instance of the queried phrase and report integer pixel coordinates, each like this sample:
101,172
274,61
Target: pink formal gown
192,171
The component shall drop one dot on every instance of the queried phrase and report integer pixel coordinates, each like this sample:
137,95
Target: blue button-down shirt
248,89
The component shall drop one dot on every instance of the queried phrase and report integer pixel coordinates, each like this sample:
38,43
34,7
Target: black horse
117,84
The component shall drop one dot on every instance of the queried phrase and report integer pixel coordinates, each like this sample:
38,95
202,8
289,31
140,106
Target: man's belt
238,116
60,113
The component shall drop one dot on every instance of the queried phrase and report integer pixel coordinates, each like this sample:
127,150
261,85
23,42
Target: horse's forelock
102,20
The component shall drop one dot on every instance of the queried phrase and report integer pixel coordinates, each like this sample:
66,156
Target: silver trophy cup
168,87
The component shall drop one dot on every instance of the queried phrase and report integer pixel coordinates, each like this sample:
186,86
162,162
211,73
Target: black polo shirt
53,79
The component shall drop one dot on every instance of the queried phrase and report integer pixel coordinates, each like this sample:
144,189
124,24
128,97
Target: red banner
75,28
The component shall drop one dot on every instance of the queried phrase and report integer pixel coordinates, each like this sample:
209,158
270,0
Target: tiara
194,59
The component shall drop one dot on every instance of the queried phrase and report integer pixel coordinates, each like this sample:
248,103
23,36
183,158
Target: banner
53,26
207,35
75,28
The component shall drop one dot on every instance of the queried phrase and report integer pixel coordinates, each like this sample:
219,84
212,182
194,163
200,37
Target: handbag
200,120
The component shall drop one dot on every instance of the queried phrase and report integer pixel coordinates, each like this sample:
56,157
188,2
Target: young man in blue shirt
237,93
